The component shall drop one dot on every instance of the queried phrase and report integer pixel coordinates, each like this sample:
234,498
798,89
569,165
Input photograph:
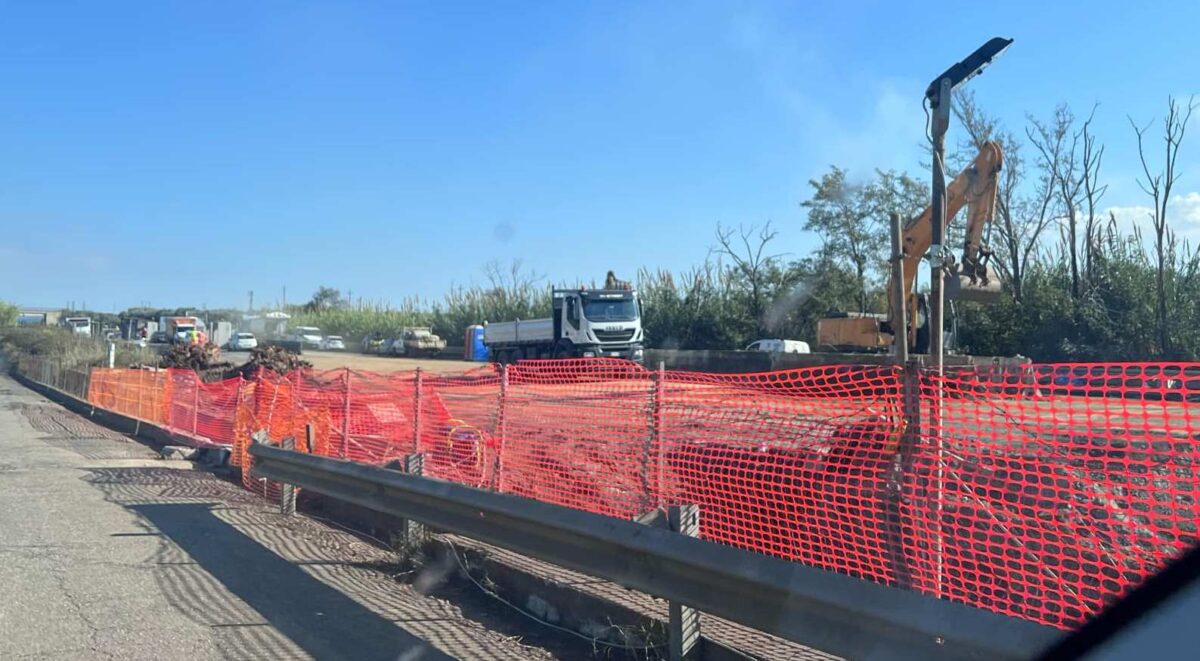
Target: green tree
8,314
325,298
843,216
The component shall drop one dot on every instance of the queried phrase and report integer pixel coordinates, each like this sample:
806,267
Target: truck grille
614,336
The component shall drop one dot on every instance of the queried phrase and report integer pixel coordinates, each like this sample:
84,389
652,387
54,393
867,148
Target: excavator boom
975,187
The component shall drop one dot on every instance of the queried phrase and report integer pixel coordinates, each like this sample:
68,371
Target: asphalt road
107,551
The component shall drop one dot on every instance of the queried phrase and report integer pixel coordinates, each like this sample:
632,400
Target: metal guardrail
831,612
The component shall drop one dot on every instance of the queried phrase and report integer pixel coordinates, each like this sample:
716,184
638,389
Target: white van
779,346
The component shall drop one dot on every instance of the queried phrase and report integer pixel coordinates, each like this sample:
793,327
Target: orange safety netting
140,394
1042,492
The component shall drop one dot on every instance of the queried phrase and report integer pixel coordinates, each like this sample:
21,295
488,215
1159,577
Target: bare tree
1158,186
747,248
1093,192
1058,146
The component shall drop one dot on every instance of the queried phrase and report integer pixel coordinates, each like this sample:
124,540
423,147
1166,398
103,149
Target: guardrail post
287,492
413,533
417,411
684,622
501,428
346,419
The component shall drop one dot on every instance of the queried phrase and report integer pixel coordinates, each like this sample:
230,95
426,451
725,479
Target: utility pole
250,306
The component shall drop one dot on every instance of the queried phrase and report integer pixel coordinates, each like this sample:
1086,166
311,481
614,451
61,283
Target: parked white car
243,342
779,346
307,336
333,343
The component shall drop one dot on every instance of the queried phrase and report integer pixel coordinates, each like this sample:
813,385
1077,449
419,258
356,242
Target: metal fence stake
287,492
684,623
501,429
346,418
137,427
195,403
652,493
417,411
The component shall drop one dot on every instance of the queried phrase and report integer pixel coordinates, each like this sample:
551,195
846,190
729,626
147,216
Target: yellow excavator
970,279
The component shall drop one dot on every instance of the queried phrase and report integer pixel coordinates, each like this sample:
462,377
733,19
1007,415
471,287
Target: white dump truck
587,323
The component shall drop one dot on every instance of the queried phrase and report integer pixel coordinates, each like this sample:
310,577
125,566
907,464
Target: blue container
475,348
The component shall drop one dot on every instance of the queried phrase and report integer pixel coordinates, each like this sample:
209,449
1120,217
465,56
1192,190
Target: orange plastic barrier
1043,492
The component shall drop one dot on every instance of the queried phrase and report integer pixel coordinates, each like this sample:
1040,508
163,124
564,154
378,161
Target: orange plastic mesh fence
140,394
1054,488
1043,492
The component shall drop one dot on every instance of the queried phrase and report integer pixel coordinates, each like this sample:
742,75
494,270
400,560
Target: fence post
308,437
652,493
287,492
901,470
416,445
137,427
346,418
196,404
501,428
684,621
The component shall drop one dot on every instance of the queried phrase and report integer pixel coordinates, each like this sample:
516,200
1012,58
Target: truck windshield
610,310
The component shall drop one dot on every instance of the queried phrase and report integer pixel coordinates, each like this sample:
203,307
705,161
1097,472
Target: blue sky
185,153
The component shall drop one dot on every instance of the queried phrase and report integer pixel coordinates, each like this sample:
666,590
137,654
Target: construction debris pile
196,357
274,358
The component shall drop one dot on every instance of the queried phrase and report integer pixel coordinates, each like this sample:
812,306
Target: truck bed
513,332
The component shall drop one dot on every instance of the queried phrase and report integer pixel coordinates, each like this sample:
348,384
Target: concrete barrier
748,362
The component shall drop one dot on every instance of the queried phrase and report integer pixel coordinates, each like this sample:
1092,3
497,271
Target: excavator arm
976,188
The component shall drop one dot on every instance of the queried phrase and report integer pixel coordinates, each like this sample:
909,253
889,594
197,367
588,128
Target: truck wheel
563,351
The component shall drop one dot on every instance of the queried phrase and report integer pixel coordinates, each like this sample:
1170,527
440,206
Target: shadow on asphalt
320,620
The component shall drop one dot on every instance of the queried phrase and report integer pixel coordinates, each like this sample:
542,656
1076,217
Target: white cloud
1183,215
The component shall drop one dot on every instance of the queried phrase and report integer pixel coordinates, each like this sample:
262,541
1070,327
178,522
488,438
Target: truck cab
79,325
598,322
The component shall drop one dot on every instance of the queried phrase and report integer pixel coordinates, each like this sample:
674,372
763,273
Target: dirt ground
324,360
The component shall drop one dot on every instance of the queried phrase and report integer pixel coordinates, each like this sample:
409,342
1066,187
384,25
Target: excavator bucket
964,288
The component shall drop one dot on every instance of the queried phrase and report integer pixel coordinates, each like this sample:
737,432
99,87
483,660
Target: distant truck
307,336
266,325
586,323
417,341
184,330
79,325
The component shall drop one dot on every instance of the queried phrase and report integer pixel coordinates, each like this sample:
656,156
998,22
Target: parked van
779,346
